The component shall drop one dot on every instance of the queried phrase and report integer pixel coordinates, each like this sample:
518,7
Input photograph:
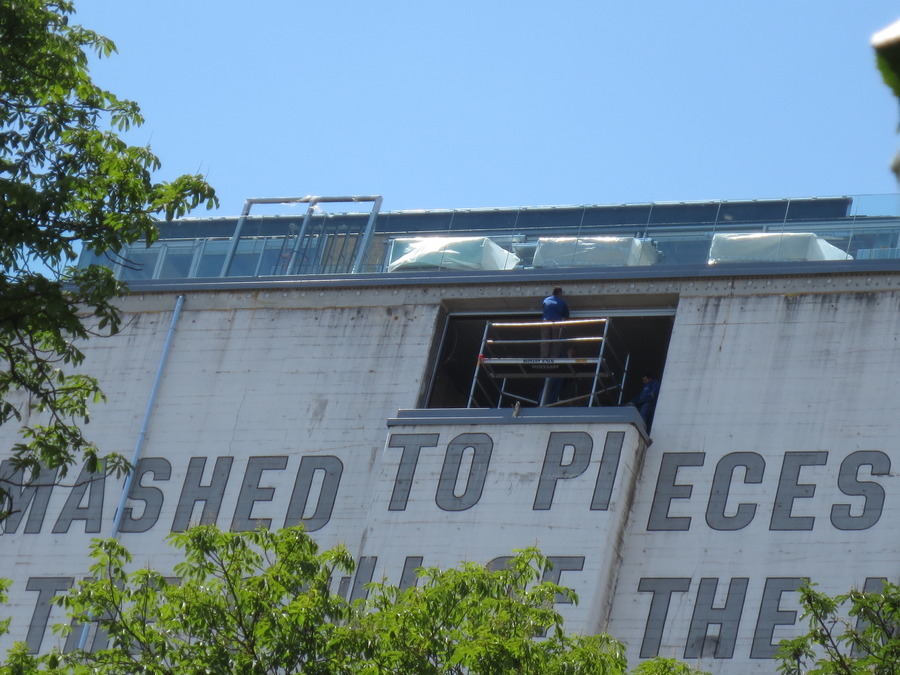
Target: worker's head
647,377
557,291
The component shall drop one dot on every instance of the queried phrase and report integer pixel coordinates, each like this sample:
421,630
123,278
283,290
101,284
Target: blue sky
480,104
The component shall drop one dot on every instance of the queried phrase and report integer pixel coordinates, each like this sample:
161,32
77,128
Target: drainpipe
142,435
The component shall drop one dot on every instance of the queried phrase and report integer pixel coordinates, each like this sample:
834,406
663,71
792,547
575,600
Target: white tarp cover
588,251
772,246
450,253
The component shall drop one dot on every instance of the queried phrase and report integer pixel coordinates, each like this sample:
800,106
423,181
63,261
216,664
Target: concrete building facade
333,400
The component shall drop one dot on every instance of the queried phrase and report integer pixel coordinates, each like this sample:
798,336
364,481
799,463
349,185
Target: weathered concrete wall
770,462
248,387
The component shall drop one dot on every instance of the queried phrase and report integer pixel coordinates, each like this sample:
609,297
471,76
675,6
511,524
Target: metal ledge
473,416
815,268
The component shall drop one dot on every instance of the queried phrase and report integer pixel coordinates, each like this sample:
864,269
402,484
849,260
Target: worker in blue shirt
555,309
645,402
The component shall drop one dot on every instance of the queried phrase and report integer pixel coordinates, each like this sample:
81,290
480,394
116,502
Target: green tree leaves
849,634
67,180
260,603
475,620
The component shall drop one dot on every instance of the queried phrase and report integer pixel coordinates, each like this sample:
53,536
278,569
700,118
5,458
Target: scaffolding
588,366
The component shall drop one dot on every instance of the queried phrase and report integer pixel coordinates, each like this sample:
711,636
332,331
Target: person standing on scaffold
555,309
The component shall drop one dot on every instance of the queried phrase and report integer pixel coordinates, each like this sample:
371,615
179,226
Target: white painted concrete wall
771,458
766,375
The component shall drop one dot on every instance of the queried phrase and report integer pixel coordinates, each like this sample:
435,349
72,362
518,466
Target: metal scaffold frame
508,371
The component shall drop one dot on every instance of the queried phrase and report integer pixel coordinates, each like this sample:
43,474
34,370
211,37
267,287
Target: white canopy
772,246
589,251
450,253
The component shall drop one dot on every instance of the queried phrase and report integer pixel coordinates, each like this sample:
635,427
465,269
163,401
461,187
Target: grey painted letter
562,563
365,570
728,619
192,492
152,497
21,495
849,484
46,587
482,446
770,615
333,469
409,578
554,470
251,492
662,589
92,514
790,489
609,465
411,444
667,490
754,466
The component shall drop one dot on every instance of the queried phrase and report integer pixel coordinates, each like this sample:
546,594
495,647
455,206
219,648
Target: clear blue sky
500,103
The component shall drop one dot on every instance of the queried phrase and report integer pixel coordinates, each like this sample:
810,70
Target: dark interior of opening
645,339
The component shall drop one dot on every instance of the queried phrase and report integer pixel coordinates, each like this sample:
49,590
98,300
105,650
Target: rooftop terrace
320,236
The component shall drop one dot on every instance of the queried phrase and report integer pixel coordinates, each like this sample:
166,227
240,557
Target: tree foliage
260,603
67,180
849,634
473,620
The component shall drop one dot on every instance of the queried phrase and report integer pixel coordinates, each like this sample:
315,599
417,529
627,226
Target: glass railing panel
414,222
684,250
139,262
212,257
176,260
876,206
88,258
864,227
683,214
757,211
499,220
246,257
615,219
533,222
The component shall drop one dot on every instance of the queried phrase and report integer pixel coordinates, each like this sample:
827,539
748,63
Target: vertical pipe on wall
142,434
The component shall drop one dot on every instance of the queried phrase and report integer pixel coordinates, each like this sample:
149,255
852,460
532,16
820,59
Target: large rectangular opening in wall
495,360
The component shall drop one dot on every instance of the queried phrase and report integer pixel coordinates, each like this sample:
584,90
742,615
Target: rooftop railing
322,241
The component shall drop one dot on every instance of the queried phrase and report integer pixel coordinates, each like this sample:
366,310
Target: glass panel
88,258
680,214
272,261
212,258
177,260
546,220
882,206
863,227
246,258
139,262
415,221
465,222
610,219
817,209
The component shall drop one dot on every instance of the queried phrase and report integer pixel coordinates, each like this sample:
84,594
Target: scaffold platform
588,366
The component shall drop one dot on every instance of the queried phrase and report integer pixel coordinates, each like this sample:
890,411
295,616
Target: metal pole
624,376
235,238
363,245
300,235
599,363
